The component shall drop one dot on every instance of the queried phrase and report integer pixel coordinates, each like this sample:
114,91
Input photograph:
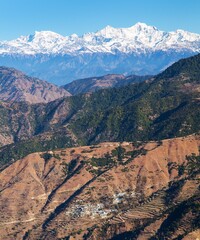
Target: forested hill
165,107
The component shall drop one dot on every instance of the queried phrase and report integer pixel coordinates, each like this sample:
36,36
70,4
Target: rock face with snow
140,49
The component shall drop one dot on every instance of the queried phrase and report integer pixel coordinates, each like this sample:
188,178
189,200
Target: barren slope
110,190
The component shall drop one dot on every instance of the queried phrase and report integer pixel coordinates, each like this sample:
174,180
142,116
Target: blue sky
23,17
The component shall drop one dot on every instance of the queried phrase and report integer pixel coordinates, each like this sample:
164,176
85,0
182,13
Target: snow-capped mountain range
140,49
138,38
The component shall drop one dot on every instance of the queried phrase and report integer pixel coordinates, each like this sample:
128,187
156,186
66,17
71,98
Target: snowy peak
107,32
39,42
143,27
186,36
37,37
137,38
126,33
45,35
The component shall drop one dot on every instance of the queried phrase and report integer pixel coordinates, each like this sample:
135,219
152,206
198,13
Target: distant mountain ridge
138,50
15,86
96,83
136,38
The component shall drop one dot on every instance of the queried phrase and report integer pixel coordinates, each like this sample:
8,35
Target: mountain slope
15,86
140,50
186,68
96,83
155,109
107,191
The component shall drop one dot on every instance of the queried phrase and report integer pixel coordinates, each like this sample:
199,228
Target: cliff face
111,190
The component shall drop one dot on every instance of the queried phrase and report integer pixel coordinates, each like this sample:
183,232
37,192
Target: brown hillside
15,86
73,193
